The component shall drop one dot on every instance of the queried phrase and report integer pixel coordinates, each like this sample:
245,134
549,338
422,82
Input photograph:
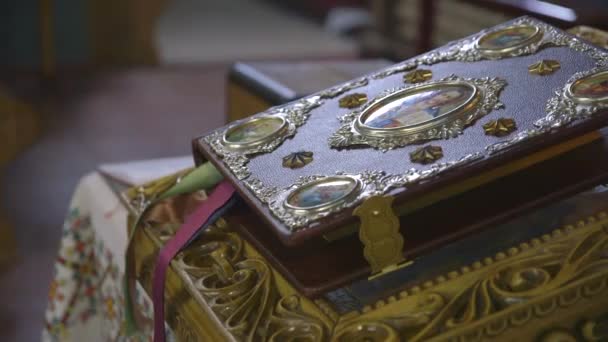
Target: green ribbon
203,177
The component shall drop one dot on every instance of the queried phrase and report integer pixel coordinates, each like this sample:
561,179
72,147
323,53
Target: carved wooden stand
551,288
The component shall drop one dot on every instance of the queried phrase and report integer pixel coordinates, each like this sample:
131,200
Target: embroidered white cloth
86,300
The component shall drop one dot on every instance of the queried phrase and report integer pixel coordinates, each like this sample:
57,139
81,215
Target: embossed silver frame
356,188
465,50
562,109
283,128
371,183
485,99
294,113
586,100
453,114
495,53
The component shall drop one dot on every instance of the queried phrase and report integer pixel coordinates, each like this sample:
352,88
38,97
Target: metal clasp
379,233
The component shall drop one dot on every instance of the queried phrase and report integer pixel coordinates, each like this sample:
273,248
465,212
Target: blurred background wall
20,32
90,33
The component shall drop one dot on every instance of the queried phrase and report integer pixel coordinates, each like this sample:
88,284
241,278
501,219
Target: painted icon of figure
593,88
508,38
420,108
321,194
254,130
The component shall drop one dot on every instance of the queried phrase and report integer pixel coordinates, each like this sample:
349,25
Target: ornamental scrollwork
587,330
343,88
394,326
372,183
561,110
242,292
531,283
448,126
295,114
493,298
465,50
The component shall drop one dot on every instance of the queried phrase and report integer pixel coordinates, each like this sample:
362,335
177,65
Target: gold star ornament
418,76
297,160
353,100
426,155
544,67
500,127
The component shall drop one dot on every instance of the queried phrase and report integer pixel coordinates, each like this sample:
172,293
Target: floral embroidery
87,284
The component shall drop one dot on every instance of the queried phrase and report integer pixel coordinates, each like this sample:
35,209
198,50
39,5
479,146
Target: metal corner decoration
500,127
426,111
352,100
297,160
544,67
427,154
418,76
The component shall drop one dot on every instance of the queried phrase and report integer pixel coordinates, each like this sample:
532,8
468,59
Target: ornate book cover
449,114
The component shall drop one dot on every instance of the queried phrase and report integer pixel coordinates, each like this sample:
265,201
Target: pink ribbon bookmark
220,196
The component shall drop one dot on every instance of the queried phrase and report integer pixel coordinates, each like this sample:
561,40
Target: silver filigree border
489,90
372,183
465,50
561,110
295,114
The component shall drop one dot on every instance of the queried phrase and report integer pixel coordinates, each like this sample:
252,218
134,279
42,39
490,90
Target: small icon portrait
592,87
420,107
